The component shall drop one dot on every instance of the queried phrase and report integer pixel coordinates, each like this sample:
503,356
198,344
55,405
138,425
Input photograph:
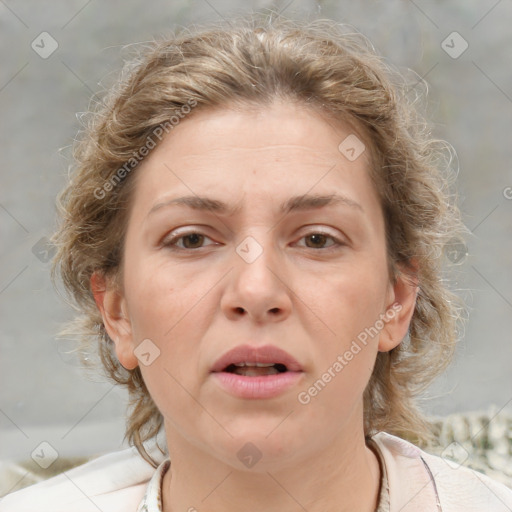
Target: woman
254,234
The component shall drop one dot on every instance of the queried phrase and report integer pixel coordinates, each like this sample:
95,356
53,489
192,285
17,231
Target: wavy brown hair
251,61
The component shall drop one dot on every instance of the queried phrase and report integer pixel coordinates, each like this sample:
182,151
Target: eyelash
172,242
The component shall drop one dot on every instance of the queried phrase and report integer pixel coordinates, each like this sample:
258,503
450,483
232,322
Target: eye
319,239
184,241
196,240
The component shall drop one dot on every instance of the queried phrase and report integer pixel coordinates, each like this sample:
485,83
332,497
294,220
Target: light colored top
413,481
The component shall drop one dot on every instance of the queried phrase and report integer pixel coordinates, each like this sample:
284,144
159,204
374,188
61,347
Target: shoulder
421,481
111,483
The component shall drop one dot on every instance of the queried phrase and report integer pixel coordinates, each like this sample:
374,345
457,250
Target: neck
345,476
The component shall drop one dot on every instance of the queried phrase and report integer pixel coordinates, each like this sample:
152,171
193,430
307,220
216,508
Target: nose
258,288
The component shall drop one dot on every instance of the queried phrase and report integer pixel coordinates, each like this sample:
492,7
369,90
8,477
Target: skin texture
310,296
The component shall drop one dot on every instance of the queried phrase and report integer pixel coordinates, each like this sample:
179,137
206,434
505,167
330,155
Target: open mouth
250,369
264,372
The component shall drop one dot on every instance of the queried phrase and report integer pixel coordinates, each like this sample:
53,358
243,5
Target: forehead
272,152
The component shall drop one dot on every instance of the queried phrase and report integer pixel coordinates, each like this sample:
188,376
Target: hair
248,62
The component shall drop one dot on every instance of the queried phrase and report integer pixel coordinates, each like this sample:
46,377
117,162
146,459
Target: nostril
240,310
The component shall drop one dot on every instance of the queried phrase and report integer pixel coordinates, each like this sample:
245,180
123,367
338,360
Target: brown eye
318,240
321,240
192,241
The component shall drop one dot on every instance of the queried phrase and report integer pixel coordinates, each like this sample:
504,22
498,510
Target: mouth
249,369
256,361
257,372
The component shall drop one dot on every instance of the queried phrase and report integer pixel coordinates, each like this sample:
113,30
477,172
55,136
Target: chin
260,447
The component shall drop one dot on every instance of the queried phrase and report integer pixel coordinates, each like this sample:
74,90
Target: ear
400,308
112,307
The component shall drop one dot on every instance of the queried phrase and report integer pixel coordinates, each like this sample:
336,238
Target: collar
411,482
152,500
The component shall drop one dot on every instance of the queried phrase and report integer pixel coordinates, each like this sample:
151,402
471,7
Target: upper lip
263,354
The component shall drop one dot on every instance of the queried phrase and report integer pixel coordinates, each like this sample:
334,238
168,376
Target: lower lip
268,386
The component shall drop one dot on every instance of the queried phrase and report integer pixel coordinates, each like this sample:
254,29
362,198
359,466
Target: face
278,243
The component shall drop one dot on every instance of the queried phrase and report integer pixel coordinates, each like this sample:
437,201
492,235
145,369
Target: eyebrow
296,203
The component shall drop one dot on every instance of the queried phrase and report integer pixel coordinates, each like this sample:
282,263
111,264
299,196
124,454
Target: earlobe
399,312
111,304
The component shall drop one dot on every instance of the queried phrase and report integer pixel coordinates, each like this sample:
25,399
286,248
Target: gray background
44,396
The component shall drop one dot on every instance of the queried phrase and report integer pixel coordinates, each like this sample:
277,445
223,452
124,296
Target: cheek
350,304
160,299
167,307
352,297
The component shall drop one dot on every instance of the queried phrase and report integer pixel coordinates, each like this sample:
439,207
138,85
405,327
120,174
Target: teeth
259,365
253,371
